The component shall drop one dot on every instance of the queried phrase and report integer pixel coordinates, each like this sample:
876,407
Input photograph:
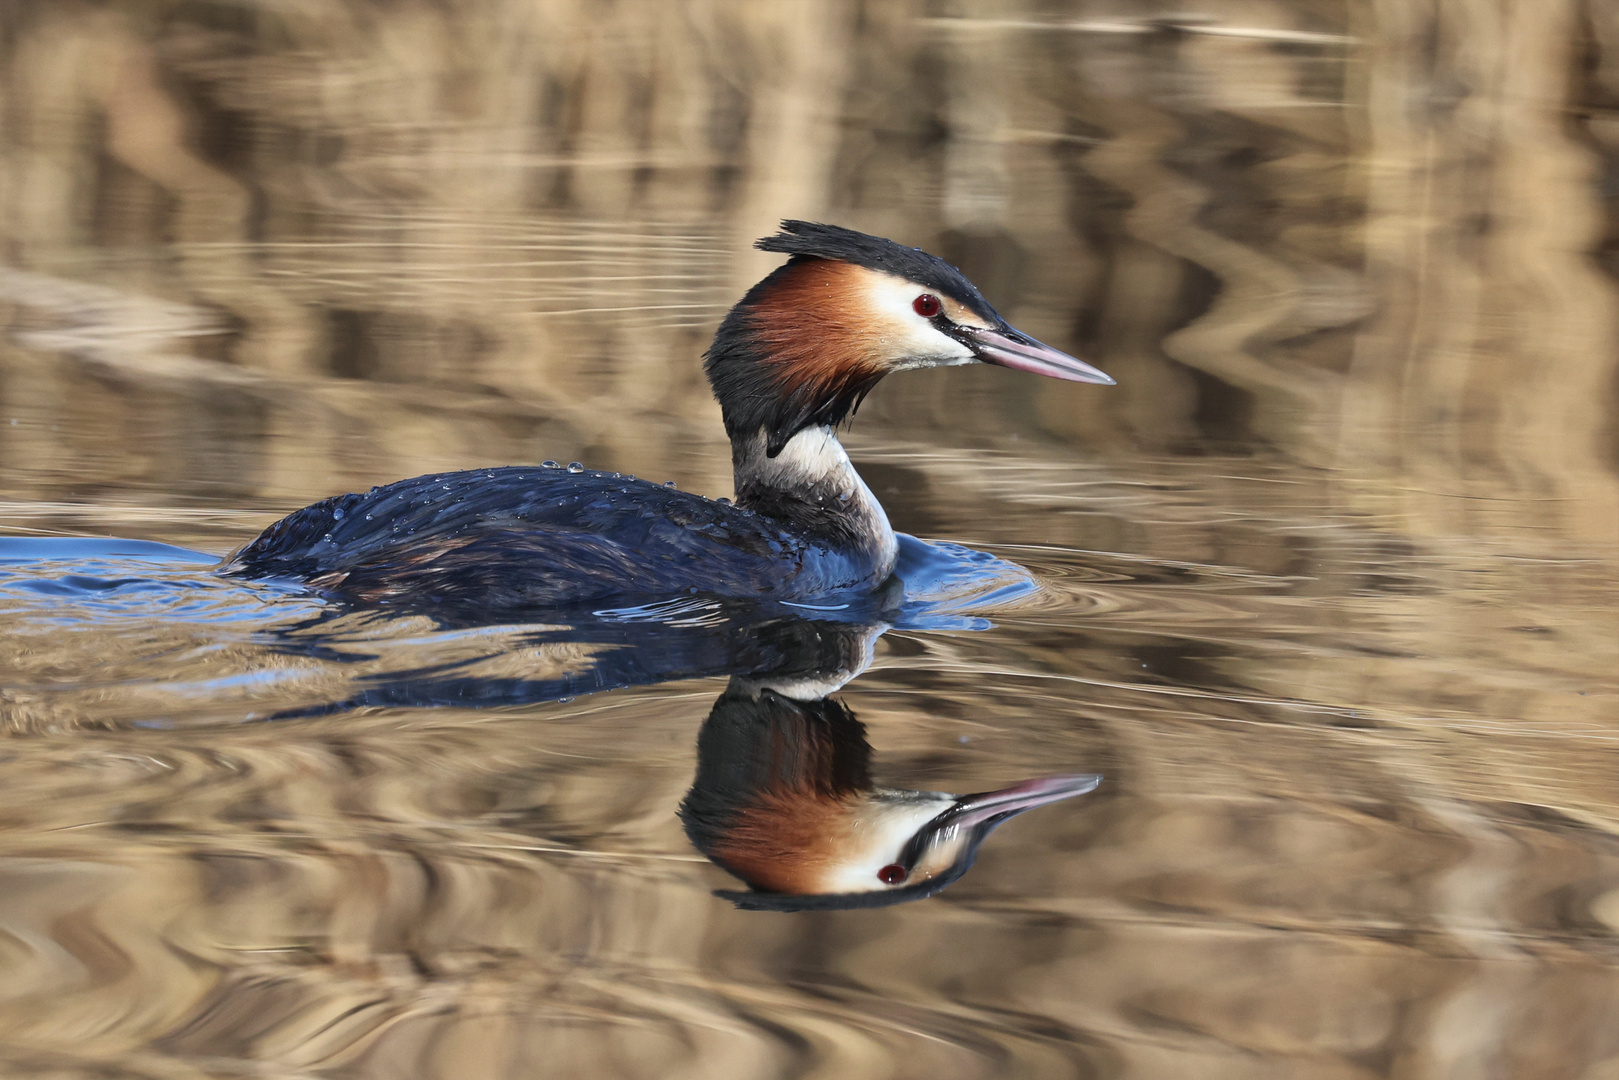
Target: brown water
1325,583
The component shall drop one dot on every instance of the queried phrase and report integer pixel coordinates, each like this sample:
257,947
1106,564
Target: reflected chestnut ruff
792,360
784,799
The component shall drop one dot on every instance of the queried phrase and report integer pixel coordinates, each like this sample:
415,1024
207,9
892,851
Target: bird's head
809,342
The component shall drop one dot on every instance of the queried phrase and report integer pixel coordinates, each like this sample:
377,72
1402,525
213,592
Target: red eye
927,305
894,873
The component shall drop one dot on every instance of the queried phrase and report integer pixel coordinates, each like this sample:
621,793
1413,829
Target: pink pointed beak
993,807
1007,347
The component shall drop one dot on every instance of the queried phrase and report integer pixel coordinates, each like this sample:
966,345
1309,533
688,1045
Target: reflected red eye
927,305
894,873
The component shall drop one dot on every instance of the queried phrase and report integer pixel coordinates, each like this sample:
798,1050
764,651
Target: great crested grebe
792,360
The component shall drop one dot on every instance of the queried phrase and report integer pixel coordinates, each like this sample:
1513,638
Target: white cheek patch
880,833
908,339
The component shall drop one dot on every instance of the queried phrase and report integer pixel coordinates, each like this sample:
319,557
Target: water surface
1323,588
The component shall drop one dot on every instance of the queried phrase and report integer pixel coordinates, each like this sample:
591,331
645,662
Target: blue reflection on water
139,592
79,581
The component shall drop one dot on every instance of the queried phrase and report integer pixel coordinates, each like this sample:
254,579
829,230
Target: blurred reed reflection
267,251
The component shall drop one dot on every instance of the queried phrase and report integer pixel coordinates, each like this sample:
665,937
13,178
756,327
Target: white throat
812,456
813,470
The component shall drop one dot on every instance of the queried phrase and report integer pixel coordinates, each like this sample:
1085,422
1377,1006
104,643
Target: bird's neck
812,489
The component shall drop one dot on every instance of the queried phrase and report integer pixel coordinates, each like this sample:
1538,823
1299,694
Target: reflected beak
1007,347
990,808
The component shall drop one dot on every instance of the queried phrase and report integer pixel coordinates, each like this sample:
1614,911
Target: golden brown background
1331,570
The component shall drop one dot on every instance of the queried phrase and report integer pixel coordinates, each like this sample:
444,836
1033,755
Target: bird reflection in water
784,800
783,796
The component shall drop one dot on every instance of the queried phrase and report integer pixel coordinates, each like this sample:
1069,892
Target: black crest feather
813,240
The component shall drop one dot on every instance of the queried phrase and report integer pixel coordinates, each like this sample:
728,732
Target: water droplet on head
368,517
575,467
337,514
549,464
668,483
723,502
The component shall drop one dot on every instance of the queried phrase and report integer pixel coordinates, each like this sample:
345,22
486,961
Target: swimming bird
783,799
791,362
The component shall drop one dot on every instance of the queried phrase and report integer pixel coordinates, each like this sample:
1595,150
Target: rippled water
1323,589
